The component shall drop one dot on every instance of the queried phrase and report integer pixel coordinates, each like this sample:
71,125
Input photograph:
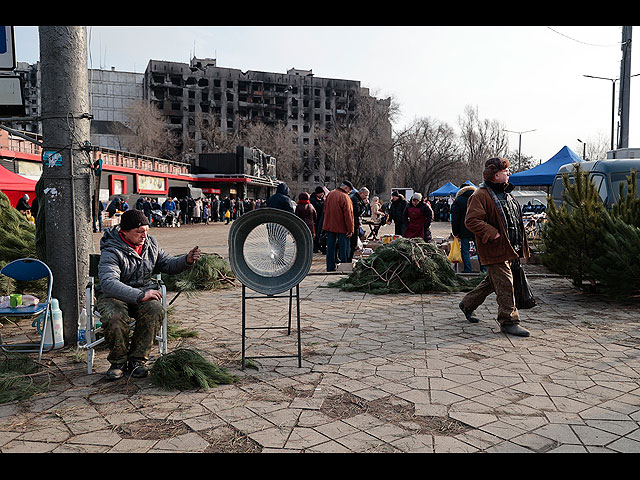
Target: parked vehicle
606,175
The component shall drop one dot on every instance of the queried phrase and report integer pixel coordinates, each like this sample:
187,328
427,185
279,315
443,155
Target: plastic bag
455,255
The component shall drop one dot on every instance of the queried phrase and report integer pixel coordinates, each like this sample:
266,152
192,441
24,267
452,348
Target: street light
520,143
613,99
584,149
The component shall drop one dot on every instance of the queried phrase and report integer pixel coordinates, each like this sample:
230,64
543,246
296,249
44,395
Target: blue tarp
544,173
445,190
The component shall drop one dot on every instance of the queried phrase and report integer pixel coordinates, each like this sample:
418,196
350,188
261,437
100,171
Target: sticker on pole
52,159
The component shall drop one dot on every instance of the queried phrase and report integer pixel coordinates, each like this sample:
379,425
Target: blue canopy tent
445,190
544,173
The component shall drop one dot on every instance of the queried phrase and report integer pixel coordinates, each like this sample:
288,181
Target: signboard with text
7,49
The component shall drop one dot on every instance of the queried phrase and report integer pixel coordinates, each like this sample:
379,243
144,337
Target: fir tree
571,237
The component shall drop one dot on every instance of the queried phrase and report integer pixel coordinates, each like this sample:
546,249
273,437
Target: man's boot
516,330
116,371
138,369
468,313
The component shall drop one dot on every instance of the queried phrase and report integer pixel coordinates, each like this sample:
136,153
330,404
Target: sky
528,78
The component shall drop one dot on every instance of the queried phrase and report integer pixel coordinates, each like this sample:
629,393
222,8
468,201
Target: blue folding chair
29,269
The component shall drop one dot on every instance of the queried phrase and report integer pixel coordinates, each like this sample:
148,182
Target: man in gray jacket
125,289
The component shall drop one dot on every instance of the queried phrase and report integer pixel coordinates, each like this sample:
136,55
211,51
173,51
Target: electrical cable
584,43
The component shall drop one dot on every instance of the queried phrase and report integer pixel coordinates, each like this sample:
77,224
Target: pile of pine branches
406,265
186,369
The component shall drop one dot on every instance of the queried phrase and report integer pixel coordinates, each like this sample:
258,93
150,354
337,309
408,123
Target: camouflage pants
116,316
499,279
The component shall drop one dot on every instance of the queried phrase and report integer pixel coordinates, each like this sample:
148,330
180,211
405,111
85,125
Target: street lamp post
584,149
613,100
520,144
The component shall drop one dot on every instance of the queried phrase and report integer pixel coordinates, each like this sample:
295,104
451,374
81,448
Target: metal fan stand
288,327
270,252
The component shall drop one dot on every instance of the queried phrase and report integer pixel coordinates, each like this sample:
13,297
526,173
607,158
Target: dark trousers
116,316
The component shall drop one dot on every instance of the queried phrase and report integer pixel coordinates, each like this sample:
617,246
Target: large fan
270,250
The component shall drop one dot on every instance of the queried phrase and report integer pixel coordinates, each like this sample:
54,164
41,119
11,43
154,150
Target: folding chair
91,328
29,269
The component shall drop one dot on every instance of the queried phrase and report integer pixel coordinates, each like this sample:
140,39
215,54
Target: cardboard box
345,267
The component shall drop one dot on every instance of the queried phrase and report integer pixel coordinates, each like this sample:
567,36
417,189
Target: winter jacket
125,275
459,212
307,213
397,210
280,199
418,219
338,212
484,219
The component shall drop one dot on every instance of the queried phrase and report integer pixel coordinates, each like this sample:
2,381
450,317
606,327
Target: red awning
15,186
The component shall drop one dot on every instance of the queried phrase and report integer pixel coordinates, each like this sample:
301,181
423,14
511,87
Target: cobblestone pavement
401,373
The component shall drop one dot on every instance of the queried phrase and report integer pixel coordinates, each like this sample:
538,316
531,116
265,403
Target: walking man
495,218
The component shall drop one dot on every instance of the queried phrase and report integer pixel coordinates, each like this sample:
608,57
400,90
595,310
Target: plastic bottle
82,327
57,334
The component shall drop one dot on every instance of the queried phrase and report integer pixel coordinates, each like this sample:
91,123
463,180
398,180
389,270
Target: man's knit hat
133,219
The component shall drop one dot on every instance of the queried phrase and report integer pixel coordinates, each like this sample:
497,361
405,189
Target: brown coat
338,212
483,220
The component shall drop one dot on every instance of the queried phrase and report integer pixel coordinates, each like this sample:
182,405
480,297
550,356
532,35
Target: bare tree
359,147
481,139
275,140
426,155
147,132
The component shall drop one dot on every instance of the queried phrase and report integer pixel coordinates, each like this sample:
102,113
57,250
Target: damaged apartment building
305,103
188,93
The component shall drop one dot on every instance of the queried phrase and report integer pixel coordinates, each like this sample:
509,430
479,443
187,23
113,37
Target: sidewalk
403,373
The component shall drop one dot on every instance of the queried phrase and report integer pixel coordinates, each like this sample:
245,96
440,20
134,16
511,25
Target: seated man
125,289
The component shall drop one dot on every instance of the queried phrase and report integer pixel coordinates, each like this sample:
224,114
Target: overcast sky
526,77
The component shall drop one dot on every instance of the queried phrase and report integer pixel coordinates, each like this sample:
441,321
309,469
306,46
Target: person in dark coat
306,212
23,204
398,204
359,200
317,200
459,229
280,199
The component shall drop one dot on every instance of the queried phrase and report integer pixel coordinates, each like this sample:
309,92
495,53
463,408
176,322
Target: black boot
116,371
468,314
138,369
516,330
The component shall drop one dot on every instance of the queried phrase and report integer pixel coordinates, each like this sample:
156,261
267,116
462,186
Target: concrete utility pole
66,173
625,87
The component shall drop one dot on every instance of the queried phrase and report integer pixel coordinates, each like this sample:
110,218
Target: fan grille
269,249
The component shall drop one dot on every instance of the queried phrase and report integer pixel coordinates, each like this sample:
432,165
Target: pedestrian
338,223
205,213
495,218
184,209
458,228
398,204
225,209
415,217
307,212
280,199
317,200
359,199
124,291
146,208
215,209
376,210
